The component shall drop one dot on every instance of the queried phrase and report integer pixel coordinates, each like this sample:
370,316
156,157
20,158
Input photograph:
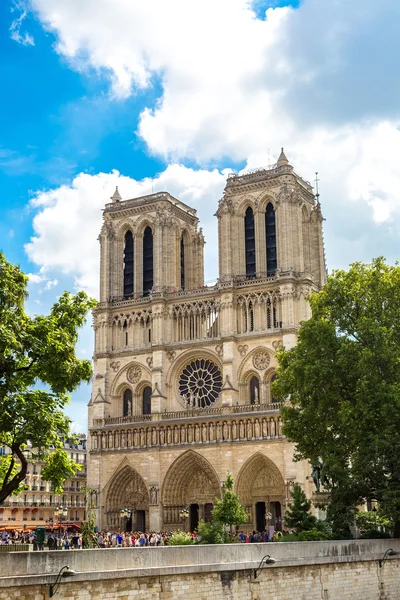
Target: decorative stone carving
261,360
219,350
115,365
154,495
149,361
134,373
276,344
171,355
243,349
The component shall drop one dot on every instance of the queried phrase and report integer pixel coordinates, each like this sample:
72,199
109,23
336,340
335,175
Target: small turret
282,160
116,197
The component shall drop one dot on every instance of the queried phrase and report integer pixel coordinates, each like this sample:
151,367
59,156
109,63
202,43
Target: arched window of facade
254,390
274,399
127,404
128,264
250,243
182,264
270,236
147,261
146,397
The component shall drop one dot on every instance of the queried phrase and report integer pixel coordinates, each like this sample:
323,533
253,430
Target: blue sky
171,94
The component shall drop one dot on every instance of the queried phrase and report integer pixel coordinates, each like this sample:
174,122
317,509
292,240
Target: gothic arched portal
127,490
192,483
261,488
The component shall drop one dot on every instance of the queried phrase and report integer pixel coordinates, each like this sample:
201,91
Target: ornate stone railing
189,413
229,428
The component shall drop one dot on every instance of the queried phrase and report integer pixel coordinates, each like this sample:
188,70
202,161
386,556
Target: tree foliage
180,538
343,383
228,511
211,533
298,515
38,369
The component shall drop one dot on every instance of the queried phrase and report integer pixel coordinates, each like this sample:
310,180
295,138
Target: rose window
200,383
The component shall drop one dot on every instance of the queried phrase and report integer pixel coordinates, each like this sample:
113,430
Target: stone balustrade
211,430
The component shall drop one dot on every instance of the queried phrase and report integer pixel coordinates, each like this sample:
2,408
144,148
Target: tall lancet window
270,236
250,242
128,264
182,263
146,401
147,261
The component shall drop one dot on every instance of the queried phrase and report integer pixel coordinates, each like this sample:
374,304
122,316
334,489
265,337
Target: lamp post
64,572
125,513
266,560
183,513
60,512
389,552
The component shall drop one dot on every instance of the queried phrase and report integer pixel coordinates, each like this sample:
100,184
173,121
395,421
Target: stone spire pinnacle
116,197
282,160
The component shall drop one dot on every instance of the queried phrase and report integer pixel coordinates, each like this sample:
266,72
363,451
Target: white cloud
318,80
68,218
20,6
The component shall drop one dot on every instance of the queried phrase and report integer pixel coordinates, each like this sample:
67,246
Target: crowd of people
74,540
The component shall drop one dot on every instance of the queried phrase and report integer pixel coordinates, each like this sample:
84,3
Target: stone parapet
341,568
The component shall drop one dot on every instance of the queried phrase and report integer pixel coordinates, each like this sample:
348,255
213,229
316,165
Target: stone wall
314,570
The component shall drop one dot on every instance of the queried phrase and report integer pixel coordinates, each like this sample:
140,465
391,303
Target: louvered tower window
182,264
147,261
270,236
250,243
128,264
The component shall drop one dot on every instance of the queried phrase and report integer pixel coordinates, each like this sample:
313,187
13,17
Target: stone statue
153,495
256,397
316,476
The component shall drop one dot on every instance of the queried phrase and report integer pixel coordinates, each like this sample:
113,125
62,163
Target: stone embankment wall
313,570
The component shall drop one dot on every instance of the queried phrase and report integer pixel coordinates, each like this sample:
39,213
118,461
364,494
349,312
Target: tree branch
12,485
9,471
28,366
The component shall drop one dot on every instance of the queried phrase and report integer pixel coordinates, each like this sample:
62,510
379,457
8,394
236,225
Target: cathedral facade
183,371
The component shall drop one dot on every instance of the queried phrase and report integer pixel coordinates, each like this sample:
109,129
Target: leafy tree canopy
343,383
38,369
228,511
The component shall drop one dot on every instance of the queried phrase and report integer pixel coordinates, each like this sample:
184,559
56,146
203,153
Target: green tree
342,381
228,511
211,533
298,514
38,369
180,538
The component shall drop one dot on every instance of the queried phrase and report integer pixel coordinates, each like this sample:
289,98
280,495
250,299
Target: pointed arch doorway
189,491
127,491
261,488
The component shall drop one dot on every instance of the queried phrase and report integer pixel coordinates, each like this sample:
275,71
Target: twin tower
182,368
